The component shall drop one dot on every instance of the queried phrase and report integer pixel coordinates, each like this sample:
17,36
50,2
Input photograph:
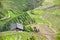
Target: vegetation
16,36
29,13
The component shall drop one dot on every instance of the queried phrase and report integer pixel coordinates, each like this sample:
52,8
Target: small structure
16,27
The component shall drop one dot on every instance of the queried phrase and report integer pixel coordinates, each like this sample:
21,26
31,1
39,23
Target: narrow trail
5,17
47,7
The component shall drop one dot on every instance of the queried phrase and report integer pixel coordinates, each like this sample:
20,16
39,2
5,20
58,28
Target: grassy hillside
20,36
29,13
48,16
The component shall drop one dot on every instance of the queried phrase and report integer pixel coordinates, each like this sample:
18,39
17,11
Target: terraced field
20,36
44,15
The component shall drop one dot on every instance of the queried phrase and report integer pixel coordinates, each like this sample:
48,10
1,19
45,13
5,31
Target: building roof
16,25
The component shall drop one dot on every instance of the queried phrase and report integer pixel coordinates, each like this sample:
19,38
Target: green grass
52,20
13,35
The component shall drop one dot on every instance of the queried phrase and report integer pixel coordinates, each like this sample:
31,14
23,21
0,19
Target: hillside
40,19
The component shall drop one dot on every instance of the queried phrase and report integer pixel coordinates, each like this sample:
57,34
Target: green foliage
32,38
56,2
0,5
21,11
18,10
28,28
53,2
23,18
57,37
56,12
17,36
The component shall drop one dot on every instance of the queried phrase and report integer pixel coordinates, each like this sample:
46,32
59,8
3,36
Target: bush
32,38
28,29
57,37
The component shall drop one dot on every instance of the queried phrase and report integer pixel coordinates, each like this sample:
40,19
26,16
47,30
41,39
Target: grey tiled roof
16,25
